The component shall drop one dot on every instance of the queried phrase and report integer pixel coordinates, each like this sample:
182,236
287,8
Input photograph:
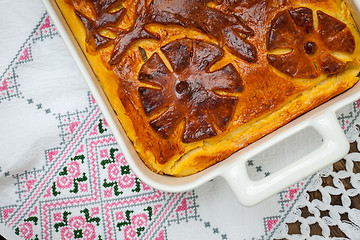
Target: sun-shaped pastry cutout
311,49
190,92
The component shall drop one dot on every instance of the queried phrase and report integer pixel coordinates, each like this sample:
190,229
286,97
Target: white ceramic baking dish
232,169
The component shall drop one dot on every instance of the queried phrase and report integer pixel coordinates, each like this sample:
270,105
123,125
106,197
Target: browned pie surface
193,81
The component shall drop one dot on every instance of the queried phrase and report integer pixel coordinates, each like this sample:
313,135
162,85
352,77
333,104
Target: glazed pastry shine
193,81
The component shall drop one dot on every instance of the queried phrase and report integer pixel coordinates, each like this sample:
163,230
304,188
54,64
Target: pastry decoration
311,49
97,16
225,28
194,81
189,91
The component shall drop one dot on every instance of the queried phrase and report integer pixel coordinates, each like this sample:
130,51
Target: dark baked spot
182,87
310,48
143,54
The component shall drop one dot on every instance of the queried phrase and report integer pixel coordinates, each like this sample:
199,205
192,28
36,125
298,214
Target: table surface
63,176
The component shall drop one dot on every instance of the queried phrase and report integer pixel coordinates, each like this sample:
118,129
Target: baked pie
193,81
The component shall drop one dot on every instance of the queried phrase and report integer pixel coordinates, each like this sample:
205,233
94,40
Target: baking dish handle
333,148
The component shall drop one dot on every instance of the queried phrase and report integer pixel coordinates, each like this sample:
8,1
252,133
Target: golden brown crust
200,88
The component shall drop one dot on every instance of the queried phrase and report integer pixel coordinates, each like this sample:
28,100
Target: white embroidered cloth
62,175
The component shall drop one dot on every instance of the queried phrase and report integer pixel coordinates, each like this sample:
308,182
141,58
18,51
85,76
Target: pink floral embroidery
64,182
114,175
140,220
113,172
94,211
120,157
105,123
108,193
120,216
74,169
46,24
26,230
119,175
126,181
77,222
25,55
138,224
89,231
132,225
4,86
104,153
67,233
78,228
71,177
58,217
83,187
130,233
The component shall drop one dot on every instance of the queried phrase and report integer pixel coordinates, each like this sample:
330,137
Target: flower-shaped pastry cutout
190,92
311,49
